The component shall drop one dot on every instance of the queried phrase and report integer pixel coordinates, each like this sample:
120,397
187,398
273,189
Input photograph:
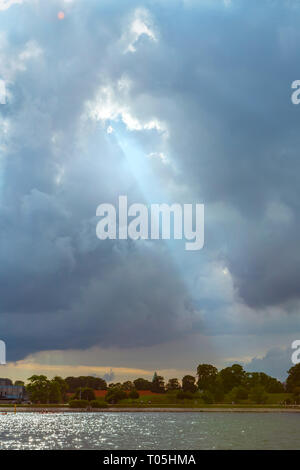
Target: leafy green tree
127,386
96,383
173,384
158,384
217,390
142,384
207,375
63,386
188,384
241,393
78,403
85,394
134,394
237,394
43,390
258,395
293,379
233,376
55,395
296,395
115,394
38,389
270,384
274,386
113,385
19,383
207,397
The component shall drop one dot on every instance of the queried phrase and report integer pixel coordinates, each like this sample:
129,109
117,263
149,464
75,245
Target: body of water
150,431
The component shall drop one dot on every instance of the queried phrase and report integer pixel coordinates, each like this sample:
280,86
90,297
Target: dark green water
167,431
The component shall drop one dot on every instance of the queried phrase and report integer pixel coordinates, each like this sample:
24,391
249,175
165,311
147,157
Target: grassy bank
168,400
273,399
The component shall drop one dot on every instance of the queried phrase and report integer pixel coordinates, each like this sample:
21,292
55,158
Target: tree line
211,385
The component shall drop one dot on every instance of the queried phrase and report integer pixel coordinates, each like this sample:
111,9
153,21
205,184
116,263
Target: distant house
10,392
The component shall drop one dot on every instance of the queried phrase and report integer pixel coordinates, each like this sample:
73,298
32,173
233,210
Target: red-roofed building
102,393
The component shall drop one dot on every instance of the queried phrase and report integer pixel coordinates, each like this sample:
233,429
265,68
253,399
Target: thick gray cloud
196,99
276,363
234,135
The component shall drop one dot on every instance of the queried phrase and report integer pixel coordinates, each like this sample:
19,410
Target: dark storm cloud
217,79
60,287
225,93
126,303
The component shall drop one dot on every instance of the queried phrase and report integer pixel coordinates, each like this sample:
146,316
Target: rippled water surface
150,431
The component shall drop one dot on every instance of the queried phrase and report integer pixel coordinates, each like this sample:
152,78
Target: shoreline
46,410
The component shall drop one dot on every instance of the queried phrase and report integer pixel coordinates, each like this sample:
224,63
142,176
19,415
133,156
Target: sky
165,101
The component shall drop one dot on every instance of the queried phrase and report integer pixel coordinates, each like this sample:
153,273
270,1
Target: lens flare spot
61,15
